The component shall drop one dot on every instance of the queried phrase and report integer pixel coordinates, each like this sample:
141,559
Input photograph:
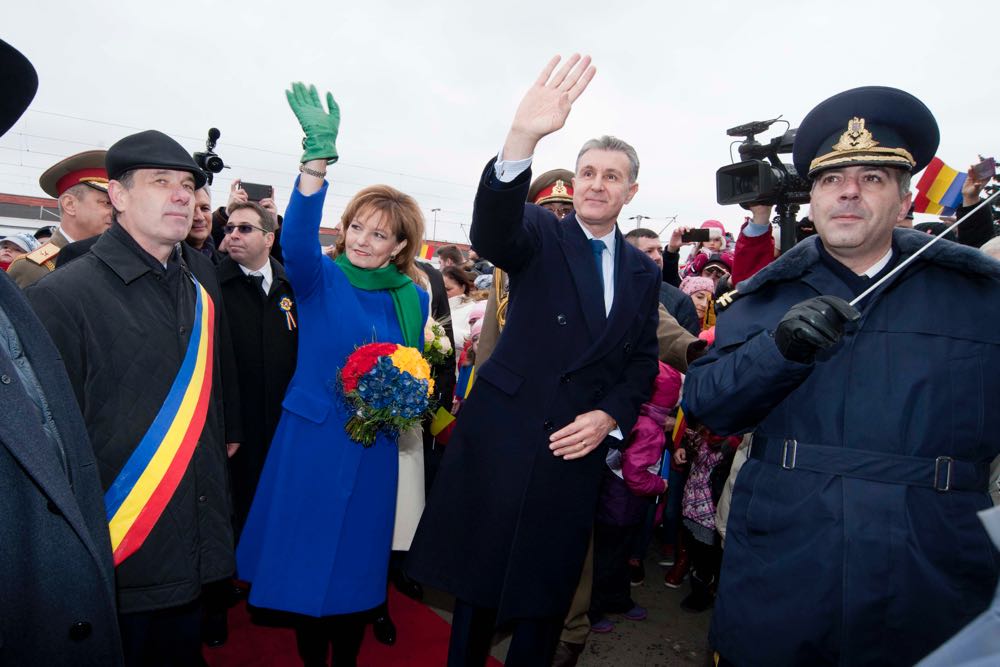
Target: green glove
320,126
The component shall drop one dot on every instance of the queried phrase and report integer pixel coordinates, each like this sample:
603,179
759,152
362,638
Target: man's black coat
121,323
265,349
507,523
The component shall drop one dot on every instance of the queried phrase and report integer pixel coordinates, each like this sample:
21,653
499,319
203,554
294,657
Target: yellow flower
409,360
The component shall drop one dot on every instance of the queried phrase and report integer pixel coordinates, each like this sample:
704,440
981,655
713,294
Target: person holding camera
852,536
237,195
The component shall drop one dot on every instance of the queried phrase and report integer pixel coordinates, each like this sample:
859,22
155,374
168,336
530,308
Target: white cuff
507,170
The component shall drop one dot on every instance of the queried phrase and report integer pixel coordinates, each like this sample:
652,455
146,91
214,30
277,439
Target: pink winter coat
647,440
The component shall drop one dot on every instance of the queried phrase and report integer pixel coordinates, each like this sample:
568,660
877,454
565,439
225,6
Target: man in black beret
57,596
140,326
852,537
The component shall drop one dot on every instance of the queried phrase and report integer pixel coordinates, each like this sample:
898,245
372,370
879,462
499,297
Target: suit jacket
57,593
508,523
265,349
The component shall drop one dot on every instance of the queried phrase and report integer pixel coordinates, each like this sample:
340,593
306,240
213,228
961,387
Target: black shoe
214,629
702,595
384,629
636,572
407,586
567,654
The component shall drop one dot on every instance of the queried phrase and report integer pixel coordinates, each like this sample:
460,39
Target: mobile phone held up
257,191
694,235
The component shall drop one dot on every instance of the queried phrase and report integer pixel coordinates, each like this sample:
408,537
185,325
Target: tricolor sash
139,494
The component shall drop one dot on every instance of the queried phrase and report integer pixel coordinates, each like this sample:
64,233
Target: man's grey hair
79,191
609,143
903,179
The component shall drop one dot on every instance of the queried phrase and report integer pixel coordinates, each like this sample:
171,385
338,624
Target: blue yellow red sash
139,494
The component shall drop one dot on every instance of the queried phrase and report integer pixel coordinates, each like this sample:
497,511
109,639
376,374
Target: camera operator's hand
675,242
761,214
267,203
237,195
971,188
320,125
545,106
812,325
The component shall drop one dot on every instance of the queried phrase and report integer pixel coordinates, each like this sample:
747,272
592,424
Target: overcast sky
427,90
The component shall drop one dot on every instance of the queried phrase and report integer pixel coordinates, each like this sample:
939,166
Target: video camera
756,181
209,161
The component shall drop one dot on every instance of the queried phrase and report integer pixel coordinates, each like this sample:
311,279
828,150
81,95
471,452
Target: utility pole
435,212
638,219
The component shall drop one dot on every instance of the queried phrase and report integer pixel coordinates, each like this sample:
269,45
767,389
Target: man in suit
57,595
508,523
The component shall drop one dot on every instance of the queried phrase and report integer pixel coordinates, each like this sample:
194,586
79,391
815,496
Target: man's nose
851,188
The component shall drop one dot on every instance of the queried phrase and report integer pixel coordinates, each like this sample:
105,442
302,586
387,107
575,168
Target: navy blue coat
507,523
851,568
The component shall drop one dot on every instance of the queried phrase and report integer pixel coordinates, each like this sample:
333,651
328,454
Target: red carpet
422,641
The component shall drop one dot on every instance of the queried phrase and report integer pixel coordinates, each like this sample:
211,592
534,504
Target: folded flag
939,191
466,376
426,252
680,424
441,420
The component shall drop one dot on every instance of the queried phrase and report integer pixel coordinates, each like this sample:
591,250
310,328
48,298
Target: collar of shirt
607,264
877,267
262,271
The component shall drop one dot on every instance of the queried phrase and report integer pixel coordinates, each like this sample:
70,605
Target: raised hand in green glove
320,125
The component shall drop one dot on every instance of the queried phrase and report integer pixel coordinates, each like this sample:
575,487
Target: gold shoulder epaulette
726,300
44,254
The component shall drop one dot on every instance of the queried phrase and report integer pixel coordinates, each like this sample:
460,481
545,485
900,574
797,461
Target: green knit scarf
404,294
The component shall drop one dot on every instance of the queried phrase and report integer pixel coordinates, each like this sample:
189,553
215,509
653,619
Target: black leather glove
812,325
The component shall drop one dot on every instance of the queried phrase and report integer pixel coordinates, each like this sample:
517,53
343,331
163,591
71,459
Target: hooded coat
843,546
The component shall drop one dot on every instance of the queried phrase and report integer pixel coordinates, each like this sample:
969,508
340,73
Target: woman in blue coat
318,536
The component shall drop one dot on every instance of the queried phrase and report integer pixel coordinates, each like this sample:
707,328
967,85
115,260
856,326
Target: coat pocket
308,406
501,377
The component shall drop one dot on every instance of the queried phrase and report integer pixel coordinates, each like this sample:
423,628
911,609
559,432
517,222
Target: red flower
361,361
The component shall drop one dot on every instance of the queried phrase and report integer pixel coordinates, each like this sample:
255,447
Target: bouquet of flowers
437,348
389,386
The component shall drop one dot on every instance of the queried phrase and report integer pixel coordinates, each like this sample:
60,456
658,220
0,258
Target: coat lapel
580,259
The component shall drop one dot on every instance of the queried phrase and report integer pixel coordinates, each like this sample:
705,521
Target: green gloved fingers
319,125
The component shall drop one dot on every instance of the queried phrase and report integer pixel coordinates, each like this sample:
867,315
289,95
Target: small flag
466,376
426,251
442,419
939,190
680,425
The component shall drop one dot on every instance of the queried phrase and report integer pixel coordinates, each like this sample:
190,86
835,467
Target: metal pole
435,212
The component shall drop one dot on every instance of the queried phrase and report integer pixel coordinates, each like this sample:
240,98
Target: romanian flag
680,425
939,191
426,252
466,376
136,499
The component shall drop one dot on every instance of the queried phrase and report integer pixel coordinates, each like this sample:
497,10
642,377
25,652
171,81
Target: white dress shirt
262,271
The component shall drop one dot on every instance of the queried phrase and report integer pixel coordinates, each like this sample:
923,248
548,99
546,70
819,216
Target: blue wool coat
319,532
507,523
857,567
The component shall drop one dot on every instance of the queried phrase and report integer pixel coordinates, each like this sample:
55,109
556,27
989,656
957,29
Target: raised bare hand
546,105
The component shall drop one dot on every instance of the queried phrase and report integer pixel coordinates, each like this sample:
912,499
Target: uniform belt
941,474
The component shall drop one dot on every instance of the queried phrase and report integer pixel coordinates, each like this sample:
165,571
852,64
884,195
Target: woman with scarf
319,533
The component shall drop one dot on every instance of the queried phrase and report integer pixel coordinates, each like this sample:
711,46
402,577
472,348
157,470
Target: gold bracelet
312,172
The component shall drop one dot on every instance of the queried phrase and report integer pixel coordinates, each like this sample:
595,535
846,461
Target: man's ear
632,189
118,194
67,203
904,207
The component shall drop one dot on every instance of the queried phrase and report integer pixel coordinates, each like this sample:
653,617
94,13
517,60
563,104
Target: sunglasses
244,229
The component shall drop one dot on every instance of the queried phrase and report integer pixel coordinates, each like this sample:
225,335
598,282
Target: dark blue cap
151,150
873,125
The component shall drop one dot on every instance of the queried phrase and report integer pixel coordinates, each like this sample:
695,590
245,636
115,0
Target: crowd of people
803,439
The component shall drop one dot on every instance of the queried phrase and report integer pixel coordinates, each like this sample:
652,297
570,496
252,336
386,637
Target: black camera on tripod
761,177
209,161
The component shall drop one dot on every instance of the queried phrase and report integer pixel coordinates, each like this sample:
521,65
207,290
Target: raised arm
300,238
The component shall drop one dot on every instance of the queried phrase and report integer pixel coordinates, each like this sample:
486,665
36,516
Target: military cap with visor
151,150
85,168
873,125
555,185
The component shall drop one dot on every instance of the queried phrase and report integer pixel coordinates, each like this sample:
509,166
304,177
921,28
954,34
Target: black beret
151,150
18,84
873,125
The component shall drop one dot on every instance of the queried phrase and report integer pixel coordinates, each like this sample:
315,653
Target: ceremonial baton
912,257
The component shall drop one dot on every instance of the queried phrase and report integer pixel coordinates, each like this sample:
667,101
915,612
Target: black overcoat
508,523
57,595
121,324
265,348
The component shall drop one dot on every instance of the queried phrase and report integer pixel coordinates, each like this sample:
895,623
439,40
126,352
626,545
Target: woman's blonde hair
400,212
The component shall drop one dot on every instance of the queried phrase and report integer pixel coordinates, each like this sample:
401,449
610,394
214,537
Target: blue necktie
598,247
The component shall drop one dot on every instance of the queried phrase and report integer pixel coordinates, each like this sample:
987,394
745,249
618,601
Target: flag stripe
930,173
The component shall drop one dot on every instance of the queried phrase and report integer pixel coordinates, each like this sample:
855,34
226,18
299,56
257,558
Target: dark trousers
706,559
162,638
612,588
532,644
314,637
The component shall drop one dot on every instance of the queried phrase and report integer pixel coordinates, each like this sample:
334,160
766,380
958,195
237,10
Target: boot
675,575
567,654
702,595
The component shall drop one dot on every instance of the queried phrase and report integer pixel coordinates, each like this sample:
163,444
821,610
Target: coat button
202,499
79,631
52,507
5,378
628,347
561,319
564,379
547,425
182,329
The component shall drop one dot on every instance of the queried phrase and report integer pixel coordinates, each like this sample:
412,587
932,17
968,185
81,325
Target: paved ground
670,636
